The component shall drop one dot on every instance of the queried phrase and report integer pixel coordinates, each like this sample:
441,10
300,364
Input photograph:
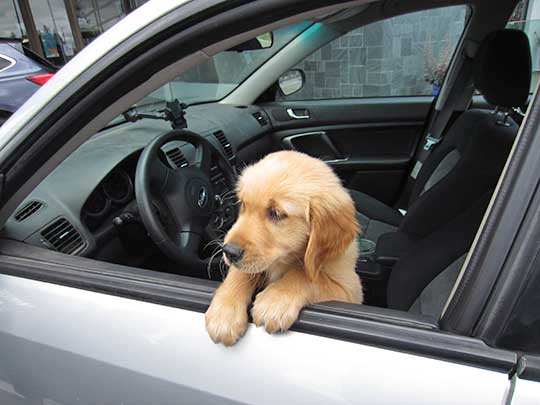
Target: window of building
407,55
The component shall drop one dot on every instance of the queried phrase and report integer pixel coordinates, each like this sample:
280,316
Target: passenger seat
470,158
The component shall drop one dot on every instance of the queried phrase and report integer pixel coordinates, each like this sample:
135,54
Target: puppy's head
293,210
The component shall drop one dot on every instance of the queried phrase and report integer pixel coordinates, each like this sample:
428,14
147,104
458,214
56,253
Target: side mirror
263,41
292,81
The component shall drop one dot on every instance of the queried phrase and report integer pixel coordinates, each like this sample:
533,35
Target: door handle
303,115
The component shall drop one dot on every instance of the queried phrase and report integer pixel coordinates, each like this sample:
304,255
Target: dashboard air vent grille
177,157
216,176
225,145
28,210
261,119
62,236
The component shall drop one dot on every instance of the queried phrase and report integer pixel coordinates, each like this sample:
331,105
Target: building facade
405,55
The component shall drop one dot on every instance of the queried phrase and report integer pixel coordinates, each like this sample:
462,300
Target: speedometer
118,187
96,205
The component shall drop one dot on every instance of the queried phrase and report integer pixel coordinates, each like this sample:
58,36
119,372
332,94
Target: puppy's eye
275,215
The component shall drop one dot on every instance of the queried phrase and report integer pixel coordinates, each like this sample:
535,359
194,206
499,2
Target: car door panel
68,345
370,142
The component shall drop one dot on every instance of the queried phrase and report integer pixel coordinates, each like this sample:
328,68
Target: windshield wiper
174,112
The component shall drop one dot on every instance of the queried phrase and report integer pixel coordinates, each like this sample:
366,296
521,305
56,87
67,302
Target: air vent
62,236
216,176
261,119
225,145
177,157
28,210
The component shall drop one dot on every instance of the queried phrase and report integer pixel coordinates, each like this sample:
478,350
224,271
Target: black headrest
502,68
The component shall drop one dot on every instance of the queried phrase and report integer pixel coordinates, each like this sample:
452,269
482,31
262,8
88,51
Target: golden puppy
294,242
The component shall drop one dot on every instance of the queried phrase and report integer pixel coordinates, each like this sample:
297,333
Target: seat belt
439,120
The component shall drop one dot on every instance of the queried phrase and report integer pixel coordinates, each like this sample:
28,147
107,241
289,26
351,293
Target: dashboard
82,206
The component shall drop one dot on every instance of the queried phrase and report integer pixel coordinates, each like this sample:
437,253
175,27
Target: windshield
221,74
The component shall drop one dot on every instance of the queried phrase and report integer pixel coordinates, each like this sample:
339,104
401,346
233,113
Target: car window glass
4,63
407,55
527,19
223,72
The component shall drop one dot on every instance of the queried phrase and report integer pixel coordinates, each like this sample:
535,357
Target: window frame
12,62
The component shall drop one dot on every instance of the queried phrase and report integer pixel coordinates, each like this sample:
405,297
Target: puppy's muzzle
233,252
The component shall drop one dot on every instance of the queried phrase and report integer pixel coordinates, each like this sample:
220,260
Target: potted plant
436,66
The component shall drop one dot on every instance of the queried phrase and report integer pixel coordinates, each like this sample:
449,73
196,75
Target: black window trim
12,62
379,327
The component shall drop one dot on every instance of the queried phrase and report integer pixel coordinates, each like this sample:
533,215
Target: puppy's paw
226,323
274,311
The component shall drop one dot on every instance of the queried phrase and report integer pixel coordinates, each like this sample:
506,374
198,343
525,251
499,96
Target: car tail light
41,78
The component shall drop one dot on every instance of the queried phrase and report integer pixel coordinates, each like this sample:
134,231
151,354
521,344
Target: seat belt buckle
431,142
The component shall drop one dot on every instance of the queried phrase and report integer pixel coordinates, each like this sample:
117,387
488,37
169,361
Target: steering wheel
176,205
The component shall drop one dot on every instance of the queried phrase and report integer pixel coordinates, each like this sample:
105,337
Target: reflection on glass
53,27
11,25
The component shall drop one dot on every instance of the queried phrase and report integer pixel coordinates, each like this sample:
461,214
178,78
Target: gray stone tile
319,79
332,82
377,78
375,52
377,91
357,91
326,52
374,34
332,69
357,75
327,93
346,91
340,54
406,46
374,65
357,56
356,41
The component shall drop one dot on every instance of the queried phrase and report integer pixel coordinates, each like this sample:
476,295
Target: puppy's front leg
226,318
278,305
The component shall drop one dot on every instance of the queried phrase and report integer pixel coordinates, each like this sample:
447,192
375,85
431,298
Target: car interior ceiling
421,240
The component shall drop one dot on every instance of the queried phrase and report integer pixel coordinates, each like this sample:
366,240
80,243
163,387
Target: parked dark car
21,74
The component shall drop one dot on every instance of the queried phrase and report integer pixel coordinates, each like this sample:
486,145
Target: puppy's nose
233,252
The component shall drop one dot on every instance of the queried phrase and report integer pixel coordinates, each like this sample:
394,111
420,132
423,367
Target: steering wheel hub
186,193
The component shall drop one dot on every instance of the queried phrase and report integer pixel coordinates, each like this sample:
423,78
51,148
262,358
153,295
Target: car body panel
88,348
526,392
15,89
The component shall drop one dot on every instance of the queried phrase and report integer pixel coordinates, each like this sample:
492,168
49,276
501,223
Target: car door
366,96
82,336
76,330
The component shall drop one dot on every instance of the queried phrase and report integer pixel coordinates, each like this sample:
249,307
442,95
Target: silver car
104,278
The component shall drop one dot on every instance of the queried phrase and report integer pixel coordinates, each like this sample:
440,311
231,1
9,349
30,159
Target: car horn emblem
203,197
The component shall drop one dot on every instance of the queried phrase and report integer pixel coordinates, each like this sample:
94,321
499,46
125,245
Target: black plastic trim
498,234
529,367
359,324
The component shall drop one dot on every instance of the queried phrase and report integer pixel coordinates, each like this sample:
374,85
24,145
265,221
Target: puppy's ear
333,228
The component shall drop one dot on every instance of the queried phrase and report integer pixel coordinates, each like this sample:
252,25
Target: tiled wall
386,58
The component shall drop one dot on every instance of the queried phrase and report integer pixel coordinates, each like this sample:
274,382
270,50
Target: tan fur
306,256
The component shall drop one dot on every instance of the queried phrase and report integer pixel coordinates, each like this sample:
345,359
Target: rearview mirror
292,81
263,41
